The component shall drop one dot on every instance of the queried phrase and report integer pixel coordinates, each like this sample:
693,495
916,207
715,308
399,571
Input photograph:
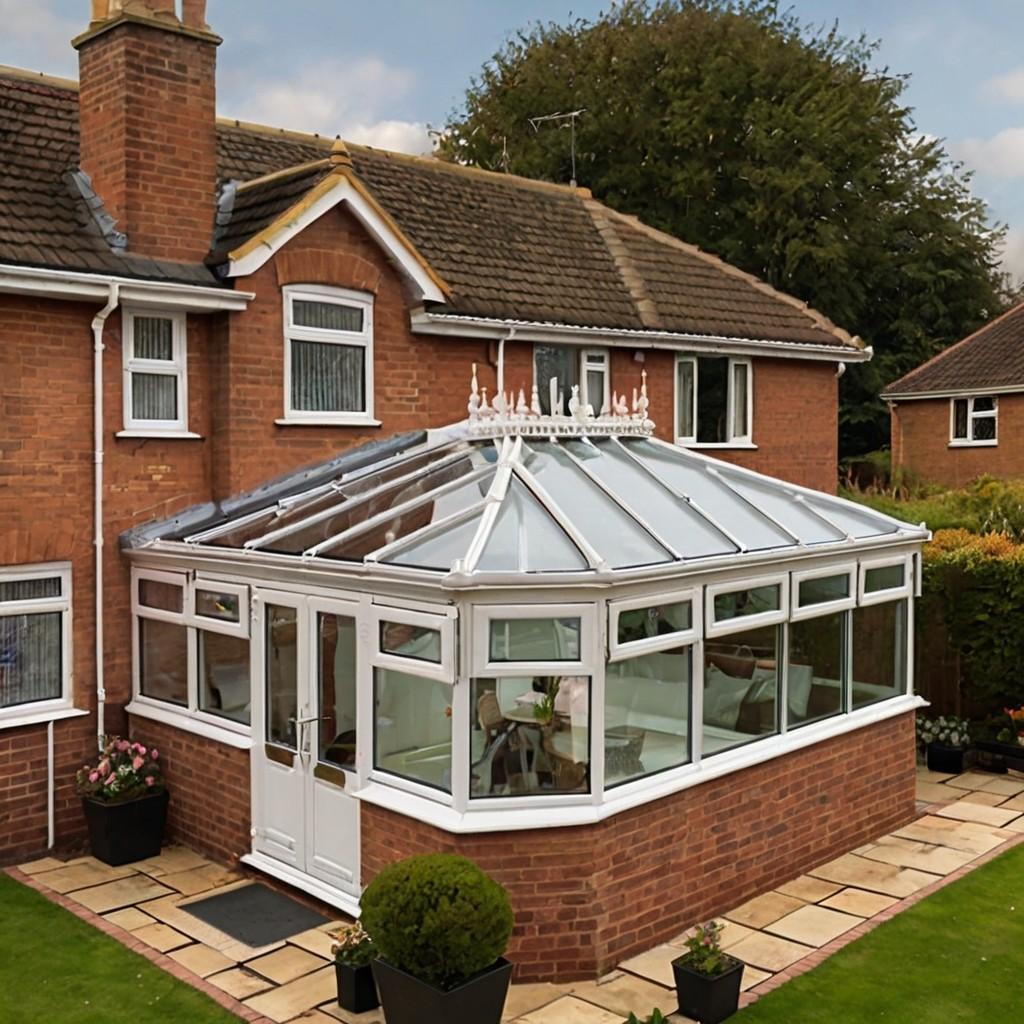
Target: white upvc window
657,622
35,639
155,372
714,401
974,421
885,579
589,368
818,592
328,356
746,604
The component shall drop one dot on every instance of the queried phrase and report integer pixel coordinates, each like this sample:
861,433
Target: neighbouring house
288,492
961,414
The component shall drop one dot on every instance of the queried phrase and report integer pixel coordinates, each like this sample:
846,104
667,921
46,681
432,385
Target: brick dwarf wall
587,897
920,443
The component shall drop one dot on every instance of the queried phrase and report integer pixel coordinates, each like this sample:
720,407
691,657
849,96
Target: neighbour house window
713,400
586,367
328,355
35,630
974,420
155,372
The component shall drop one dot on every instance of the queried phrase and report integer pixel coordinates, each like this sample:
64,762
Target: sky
386,72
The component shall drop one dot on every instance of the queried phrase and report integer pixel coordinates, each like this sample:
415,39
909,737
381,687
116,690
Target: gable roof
499,246
989,359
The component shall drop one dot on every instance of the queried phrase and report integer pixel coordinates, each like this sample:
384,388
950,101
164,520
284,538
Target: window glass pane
336,661
413,728
561,361
419,642
741,685
985,403
224,686
960,417
747,602
646,715
168,597
739,400
654,620
879,652
30,590
327,316
816,674
824,588
530,735
886,577
154,396
684,397
215,604
712,399
153,338
281,675
595,390
163,661
535,640
328,377
983,428
31,666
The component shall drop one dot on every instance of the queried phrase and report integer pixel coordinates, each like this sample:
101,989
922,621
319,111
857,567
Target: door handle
307,720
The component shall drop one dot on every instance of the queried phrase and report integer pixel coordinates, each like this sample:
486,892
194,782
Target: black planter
947,760
994,756
356,989
120,833
708,998
407,1000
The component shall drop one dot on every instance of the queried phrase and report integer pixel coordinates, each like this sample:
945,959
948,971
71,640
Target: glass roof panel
779,502
856,522
689,476
440,548
372,478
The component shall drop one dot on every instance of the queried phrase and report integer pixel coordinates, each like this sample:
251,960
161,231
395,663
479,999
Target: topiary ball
437,917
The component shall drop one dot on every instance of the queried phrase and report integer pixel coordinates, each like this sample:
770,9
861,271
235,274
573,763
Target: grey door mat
255,914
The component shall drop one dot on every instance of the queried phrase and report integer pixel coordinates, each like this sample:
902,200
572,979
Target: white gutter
1007,389
98,323
71,285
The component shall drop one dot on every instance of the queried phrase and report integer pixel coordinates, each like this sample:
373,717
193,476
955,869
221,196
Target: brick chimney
147,108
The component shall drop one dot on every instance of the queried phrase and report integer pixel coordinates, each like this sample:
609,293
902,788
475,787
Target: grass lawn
54,967
956,956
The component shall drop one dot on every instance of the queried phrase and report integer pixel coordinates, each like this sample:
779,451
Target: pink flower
93,776
154,753
103,767
110,780
150,781
141,749
123,746
138,763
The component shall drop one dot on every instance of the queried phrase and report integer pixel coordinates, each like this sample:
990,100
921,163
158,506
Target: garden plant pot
996,756
407,1000
708,998
947,760
120,833
357,991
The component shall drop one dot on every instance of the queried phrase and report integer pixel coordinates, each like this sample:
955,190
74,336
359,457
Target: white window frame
16,714
893,593
985,414
735,440
350,339
484,615
800,612
177,367
585,362
741,623
635,648
443,671
211,625
174,579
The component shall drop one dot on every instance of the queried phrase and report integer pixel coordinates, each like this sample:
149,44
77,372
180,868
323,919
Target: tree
777,146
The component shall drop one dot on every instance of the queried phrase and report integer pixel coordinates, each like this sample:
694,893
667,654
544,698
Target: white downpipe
98,323
50,836
501,361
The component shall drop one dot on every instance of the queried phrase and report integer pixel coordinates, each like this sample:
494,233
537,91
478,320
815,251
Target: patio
965,819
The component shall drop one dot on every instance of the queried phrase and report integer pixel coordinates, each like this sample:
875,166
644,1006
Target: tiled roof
992,357
508,247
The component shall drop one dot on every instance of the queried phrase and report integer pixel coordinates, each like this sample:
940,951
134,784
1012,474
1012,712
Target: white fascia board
343,192
1010,389
568,334
73,286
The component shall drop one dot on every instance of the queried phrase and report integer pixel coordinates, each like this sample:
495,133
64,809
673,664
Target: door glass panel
336,671
282,674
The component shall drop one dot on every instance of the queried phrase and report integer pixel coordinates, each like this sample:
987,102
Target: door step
326,893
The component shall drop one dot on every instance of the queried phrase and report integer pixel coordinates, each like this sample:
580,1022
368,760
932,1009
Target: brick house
957,416
191,307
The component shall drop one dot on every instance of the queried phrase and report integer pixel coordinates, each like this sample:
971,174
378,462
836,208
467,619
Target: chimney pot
193,14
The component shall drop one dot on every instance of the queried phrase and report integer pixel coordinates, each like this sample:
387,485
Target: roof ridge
26,74
285,172
939,356
718,263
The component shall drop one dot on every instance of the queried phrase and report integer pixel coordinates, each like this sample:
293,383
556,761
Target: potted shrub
440,926
656,1017
945,740
707,979
353,954
124,799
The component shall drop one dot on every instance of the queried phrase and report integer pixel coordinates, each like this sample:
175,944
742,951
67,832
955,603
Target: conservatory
520,622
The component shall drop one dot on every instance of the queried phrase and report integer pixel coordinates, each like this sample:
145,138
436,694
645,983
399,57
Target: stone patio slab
763,910
285,964
316,940
333,1012
1015,803
129,919
940,860
934,793
202,960
34,867
239,982
161,937
655,965
122,893
172,860
984,797
288,1001
859,902
1016,826
570,1010
531,996
83,875
769,952
813,925
1004,785
870,874
197,880
970,780
966,836
627,994
811,890
752,976
964,810
925,775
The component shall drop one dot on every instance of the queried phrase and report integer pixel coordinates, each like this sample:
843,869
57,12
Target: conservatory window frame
906,589
968,440
211,625
483,615
801,612
649,645
739,623
176,367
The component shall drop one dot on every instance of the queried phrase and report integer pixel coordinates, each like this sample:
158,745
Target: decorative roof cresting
509,415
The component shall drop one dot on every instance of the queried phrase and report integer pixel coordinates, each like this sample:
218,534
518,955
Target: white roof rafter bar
493,502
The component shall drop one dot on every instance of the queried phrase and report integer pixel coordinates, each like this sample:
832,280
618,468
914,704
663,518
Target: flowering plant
948,730
125,771
1015,731
353,946
705,950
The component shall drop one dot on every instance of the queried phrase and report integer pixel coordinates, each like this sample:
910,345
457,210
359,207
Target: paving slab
570,1010
762,910
811,890
964,810
752,976
859,902
1015,803
957,835
531,996
197,880
83,875
161,937
870,874
122,893
984,797
627,994
316,940
285,964
769,952
934,793
239,982
202,960
333,1012
172,860
925,775
813,925
655,965
1016,826
288,1001
970,780
129,919
1005,786
34,867
940,860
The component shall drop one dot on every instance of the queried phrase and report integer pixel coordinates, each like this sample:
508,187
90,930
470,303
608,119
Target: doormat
255,914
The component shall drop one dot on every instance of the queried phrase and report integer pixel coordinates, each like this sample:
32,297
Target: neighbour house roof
503,247
989,359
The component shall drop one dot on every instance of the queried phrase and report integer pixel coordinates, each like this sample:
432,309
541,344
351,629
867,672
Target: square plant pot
946,760
120,833
357,991
708,998
407,1000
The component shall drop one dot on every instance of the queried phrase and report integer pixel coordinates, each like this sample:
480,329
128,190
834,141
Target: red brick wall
920,443
587,897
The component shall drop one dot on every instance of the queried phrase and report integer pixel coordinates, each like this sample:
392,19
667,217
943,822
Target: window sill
183,720
174,435
360,421
739,446
973,444
15,720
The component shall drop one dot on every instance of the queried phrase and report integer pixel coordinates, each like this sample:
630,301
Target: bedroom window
974,420
328,362
714,400
586,367
155,373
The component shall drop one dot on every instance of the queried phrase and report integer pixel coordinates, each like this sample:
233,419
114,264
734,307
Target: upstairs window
974,420
155,378
713,400
328,356
586,367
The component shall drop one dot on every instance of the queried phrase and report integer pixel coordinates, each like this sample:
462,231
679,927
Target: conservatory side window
714,400
879,652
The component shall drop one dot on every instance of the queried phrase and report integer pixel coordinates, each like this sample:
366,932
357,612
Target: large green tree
781,148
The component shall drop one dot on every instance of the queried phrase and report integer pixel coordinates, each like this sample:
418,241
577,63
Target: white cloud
1001,156
1013,253
1009,87
36,37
